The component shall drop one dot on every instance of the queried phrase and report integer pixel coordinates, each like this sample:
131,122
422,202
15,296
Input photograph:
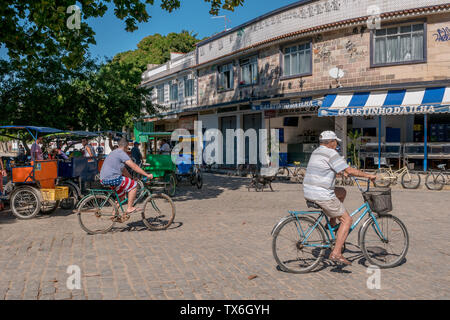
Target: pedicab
77,172
32,188
186,167
161,166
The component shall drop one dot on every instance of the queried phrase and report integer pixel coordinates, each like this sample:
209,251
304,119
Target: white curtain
398,47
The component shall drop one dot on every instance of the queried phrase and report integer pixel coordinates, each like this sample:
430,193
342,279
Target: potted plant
353,148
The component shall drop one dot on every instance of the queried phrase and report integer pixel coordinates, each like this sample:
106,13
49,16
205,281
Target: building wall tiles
343,49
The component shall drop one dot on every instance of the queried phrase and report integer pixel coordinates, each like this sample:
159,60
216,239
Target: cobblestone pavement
219,241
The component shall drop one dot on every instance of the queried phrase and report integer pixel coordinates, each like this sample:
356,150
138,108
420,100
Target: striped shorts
122,185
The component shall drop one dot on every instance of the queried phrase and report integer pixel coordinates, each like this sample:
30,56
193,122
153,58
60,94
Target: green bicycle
99,210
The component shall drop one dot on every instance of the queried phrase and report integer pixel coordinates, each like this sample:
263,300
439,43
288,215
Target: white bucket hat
329,135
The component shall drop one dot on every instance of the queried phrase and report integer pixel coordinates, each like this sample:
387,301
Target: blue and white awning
393,102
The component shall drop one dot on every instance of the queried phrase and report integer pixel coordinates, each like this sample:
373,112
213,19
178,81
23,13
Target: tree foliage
89,96
36,28
92,96
156,49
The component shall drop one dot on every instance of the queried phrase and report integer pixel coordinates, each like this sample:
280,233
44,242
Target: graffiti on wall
442,35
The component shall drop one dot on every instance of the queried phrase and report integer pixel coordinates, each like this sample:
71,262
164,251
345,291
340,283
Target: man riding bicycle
114,174
319,187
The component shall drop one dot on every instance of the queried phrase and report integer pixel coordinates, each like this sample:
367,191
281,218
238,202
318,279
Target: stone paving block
222,242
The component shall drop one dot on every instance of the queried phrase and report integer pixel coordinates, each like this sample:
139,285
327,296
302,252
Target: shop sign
304,111
305,105
367,111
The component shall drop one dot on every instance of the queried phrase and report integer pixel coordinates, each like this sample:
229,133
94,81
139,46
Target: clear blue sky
192,16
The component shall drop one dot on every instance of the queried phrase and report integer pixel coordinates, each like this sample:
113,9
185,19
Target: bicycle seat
442,166
311,204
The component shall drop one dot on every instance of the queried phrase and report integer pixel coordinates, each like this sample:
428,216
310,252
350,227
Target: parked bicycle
295,172
99,210
343,180
387,176
301,238
437,179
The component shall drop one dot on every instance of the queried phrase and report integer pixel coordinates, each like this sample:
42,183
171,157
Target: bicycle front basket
379,199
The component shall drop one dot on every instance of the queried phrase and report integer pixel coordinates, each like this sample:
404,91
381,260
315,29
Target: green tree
31,29
156,49
91,96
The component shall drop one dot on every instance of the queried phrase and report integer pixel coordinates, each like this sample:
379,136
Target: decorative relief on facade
351,48
322,52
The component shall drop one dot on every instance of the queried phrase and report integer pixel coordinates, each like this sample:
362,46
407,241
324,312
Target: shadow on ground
213,186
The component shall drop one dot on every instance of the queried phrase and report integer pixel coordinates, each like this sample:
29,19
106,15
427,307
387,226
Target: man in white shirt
319,187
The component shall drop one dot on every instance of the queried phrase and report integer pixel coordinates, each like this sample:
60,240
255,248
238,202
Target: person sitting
36,150
319,188
165,148
136,154
114,174
58,154
88,149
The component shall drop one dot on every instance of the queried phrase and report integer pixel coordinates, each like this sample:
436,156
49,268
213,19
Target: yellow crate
56,194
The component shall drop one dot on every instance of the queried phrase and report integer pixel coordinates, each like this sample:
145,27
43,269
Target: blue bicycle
300,239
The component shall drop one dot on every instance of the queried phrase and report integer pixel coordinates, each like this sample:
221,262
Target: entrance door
228,123
252,121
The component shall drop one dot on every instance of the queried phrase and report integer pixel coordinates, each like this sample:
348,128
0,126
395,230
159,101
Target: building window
226,77
173,92
398,45
188,87
249,71
160,93
297,60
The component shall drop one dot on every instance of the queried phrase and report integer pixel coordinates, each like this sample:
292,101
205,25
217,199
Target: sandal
340,259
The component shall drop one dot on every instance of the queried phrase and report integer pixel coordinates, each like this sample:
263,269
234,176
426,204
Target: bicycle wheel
410,180
282,171
158,212
71,202
388,249
199,180
289,249
301,175
25,202
435,181
96,214
383,179
171,186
